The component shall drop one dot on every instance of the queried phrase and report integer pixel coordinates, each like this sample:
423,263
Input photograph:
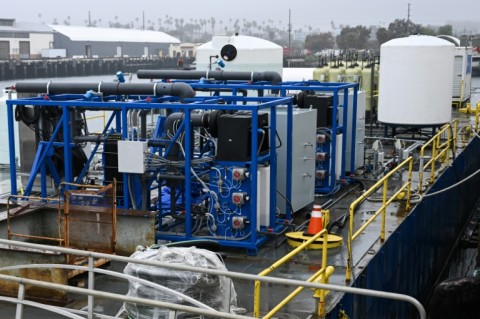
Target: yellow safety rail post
322,293
454,141
382,210
439,151
99,116
477,112
303,246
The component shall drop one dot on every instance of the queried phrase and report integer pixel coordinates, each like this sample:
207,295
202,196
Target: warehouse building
109,42
23,40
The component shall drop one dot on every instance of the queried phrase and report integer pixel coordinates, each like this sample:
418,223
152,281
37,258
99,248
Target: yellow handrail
477,113
439,151
318,274
382,210
99,116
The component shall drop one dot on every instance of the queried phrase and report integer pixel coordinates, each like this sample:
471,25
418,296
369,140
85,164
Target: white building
23,40
186,50
109,42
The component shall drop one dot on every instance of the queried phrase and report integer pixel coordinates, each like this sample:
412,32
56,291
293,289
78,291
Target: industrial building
186,49
108,42
30,40
23,40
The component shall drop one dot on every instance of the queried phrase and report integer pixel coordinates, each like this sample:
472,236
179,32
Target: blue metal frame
333,88
66,102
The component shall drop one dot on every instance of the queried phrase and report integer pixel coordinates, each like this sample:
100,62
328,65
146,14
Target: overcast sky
316,13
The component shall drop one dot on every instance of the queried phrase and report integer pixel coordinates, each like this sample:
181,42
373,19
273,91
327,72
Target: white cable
452,186
198,178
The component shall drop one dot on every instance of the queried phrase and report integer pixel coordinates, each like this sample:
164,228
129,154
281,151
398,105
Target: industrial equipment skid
236,197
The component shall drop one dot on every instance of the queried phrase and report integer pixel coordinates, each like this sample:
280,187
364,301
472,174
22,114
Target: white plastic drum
240,53
415,86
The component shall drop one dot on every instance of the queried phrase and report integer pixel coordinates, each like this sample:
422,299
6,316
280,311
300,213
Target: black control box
324,106
235,136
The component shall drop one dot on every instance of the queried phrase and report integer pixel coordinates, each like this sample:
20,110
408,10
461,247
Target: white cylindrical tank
416,75
240,53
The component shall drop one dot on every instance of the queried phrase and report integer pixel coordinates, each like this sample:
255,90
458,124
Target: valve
239,199
238,222
239,174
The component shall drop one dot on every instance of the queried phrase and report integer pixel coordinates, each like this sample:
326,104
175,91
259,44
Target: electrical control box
304,137
131,156
324,106
235,136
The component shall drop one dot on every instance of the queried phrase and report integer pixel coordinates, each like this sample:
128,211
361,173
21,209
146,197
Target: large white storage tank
241,53
415,86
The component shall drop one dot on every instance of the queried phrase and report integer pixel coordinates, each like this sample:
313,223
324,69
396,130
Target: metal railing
26,200
103,117
477,114
321,275
382,210
173,307
440,146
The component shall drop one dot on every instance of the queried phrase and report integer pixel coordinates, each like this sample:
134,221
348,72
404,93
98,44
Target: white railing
91,293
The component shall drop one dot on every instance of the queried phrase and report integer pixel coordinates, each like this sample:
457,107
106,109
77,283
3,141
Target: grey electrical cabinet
303,158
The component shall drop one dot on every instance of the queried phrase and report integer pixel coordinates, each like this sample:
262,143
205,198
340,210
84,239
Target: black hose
22,114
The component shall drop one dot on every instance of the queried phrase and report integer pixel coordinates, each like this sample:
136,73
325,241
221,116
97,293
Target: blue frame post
67,150
11,147
333,155
254,177
122,126
354,128
289,157
188,176
345,120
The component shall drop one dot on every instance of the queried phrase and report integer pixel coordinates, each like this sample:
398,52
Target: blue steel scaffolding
67,102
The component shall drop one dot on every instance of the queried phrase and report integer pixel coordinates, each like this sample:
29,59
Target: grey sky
316,13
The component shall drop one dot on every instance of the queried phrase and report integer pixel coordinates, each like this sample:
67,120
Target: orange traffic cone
316,221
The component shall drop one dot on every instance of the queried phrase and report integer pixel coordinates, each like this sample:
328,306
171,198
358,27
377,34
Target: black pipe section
143,124
206,120
170,177
155,143
89,138
269,76
182,90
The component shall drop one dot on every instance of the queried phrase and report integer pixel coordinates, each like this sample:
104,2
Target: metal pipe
91,283
182,90
143,123
89,138
33,304
269,76
20,296
124,298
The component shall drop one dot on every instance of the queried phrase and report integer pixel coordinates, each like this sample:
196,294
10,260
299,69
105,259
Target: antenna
289,31
408,19
408,13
